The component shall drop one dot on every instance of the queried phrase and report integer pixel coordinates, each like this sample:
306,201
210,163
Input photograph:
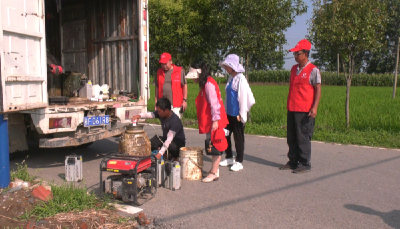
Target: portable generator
135,181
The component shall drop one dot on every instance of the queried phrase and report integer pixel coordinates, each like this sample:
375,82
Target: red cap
164,58
218,139
303,44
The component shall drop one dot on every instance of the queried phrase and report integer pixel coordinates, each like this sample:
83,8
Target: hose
155,131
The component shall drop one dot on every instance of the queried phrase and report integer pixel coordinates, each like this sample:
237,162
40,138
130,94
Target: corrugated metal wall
74,38
113,44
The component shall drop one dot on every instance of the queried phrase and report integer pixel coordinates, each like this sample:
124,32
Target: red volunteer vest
301,93
177,88
204,116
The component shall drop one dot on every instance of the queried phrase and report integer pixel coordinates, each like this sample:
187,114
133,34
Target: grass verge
67,198
70,205
22,173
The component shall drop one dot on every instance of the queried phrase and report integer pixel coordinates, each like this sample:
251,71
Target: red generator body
124,166
135,179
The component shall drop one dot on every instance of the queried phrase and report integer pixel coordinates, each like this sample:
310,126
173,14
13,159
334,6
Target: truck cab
100,41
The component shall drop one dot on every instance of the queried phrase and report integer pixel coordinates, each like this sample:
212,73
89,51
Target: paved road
348,187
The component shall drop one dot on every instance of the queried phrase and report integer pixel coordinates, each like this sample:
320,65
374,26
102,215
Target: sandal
216,174
210,177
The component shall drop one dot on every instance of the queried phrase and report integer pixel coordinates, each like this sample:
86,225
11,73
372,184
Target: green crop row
374,118
328,78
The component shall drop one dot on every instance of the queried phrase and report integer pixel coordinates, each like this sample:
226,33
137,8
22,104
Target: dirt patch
16,204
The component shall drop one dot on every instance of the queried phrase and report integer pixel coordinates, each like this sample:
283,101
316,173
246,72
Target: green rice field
374,114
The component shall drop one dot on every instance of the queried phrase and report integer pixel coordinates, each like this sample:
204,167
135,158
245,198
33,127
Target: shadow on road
254,159
391,218
225,204
261,161
47,158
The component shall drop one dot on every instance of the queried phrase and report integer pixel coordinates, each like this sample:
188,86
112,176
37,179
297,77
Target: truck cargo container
103,41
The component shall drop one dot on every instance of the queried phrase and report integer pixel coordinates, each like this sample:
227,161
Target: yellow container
191,159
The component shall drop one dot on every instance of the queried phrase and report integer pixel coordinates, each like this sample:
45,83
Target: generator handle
140,160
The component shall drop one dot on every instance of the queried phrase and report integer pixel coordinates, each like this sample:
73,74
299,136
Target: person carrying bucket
211,116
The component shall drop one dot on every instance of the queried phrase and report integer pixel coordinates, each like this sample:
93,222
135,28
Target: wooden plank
22,31
73,50
23,107
25,78
117,38
70,107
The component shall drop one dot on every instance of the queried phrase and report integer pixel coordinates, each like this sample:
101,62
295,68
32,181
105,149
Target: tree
187,29
384,59
254,29
349,27
371,61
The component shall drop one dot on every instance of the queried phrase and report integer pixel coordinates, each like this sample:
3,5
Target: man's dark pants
173,148
300,129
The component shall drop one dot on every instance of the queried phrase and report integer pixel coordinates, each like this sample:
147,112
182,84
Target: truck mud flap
68,141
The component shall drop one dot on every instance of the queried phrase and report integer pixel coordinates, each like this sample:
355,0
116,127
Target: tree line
364,33
360,31
254,29
209,29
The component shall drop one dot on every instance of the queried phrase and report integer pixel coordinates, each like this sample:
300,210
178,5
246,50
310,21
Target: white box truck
107,41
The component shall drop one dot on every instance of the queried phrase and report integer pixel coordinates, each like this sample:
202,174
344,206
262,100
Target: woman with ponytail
211,116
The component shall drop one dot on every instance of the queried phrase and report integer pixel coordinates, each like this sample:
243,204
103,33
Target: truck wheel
84,145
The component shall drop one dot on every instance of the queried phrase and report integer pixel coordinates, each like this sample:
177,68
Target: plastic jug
95,91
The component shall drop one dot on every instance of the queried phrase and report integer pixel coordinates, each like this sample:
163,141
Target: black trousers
300,129
173,148
237,128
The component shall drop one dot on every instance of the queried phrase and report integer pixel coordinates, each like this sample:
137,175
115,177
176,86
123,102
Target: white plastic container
86,91
73,168
95,91
104,88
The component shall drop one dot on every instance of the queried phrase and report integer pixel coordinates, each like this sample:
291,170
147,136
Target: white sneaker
226,162
237,166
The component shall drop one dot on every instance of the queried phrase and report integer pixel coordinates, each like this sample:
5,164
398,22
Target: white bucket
191,159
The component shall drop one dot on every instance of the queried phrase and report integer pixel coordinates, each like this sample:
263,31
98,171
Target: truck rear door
23,55
144,49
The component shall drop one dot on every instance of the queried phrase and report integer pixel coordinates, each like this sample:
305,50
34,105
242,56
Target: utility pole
338,65
4,153
397,68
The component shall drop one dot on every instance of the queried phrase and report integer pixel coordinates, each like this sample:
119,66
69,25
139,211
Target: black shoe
287,167
302,169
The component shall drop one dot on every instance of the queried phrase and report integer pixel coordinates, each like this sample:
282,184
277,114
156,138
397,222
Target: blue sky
297,32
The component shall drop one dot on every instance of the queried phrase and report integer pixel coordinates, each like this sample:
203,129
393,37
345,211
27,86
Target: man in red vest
171,84
302,106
